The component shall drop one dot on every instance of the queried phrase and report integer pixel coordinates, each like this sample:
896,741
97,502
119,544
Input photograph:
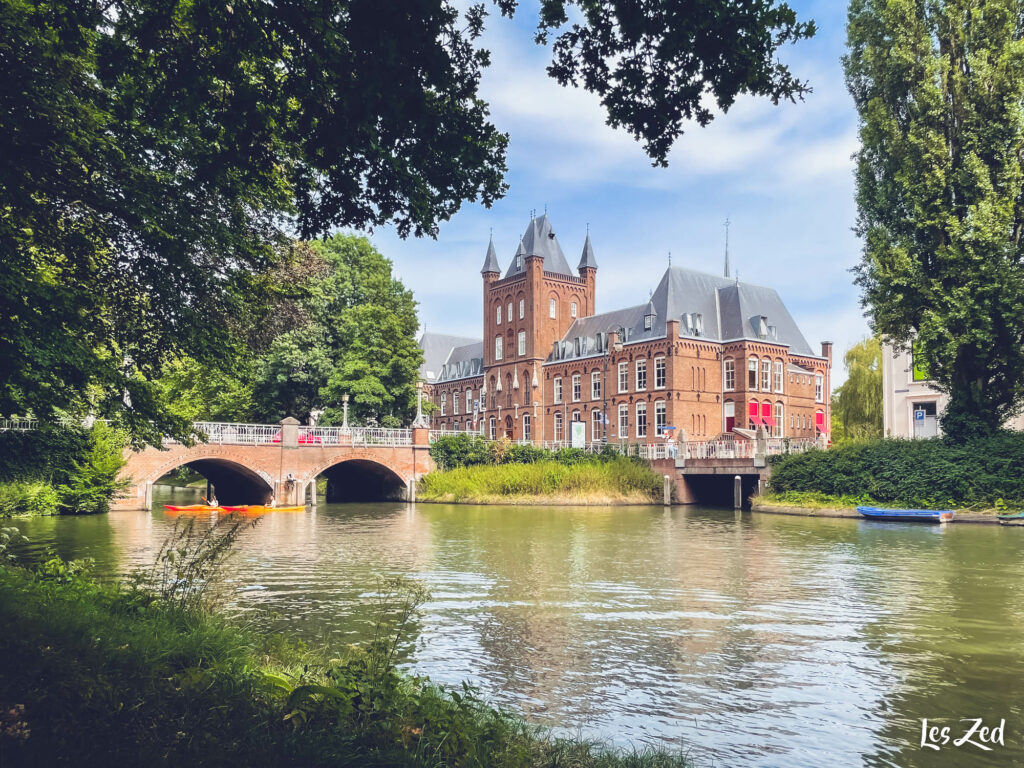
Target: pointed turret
491,262
587,260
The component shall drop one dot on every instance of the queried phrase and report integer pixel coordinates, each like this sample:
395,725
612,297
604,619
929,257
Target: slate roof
539,240
587,258
729,310
491,260
466,360
436,349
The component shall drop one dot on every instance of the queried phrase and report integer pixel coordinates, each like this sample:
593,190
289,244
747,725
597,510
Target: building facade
704,357
913,404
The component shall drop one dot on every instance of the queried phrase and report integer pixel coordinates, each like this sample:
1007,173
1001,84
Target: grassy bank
984,474
99,675
617,480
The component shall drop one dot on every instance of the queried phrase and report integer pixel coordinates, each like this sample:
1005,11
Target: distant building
913,404
705,355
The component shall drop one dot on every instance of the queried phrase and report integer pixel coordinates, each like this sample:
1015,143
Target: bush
28,498
917,473
463,450
93,481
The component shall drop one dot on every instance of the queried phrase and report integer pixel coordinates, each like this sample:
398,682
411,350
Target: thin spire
727,223
670,259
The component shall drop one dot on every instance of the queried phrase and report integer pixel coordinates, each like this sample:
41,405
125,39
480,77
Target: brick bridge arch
250,473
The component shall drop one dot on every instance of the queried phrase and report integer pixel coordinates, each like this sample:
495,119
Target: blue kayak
912,515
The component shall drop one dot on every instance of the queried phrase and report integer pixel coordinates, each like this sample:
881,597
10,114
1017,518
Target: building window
510,312
526,427
819,388
572,309
497,312
444,403
779,376
918,365
595,385
659,373
552,308
469,401
779,423
623,421
497,347
729,375
595,425
558,389
641,375
522,343
623,377
559,431
577,387
660,418
522,309
766,375
455,403
752,373
648,322
641,419
492,427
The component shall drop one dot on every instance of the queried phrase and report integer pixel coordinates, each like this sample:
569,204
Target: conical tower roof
587,259
491,261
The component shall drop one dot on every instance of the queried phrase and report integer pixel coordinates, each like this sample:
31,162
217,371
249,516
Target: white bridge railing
223,433
18,425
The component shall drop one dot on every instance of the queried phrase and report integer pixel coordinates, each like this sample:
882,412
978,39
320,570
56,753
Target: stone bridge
249,463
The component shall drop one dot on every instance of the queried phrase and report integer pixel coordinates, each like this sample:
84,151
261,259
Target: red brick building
708,355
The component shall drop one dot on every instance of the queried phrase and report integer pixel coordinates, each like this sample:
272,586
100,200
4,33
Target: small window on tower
572,309
522,309
552,307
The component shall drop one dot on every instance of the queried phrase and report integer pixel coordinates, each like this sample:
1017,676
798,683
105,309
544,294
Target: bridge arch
235,480
355,478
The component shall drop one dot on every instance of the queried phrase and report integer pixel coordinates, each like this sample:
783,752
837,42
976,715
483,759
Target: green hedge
28,498
918,473
466,450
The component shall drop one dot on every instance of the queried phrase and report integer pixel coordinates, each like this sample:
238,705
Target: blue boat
911,515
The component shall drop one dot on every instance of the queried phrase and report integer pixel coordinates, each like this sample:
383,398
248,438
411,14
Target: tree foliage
155,154
857,404
939,86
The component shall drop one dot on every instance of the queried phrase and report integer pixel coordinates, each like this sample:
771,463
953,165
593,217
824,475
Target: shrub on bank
469,450
28,498
610,479
74,465
917,473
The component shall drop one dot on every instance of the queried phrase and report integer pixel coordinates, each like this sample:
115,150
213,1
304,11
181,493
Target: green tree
153,154
857,404
349,327
939,85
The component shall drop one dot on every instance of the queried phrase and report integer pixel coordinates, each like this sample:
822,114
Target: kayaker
272,503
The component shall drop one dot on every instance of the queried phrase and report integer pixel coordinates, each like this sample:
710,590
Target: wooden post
737,492
149,496
667,491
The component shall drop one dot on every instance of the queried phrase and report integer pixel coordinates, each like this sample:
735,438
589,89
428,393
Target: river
747,640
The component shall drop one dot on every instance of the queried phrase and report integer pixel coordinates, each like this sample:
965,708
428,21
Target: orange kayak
260,509
193,508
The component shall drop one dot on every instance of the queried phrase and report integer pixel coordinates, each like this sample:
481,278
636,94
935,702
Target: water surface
748,640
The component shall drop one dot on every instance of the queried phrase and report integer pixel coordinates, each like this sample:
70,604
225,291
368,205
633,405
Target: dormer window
519,262
648,322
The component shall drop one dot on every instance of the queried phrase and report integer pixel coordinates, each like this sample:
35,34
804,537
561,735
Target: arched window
766,375
455,403
526,387
730,415
444,403
752,373
497,313
522,309
497,347
553,308
729,375
779,423
492,426
508,390
779,376
660,418
527,435
510,310
559,427
572,309
623,421
596,431
522,343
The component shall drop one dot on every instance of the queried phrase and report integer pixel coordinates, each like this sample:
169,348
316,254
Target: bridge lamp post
344,406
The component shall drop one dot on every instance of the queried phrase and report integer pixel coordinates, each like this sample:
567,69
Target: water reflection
751,640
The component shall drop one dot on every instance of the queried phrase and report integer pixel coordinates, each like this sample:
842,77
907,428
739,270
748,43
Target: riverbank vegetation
100,674
59,470
980,474
472,470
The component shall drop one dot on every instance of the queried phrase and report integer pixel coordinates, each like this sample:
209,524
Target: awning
820,428
769,421
755,419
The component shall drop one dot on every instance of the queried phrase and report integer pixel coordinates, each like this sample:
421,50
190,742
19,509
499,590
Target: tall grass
617,479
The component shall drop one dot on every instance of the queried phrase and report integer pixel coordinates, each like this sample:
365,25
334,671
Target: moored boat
1016,518
908,515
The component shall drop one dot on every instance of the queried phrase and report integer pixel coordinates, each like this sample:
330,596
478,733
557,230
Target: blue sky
783,175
